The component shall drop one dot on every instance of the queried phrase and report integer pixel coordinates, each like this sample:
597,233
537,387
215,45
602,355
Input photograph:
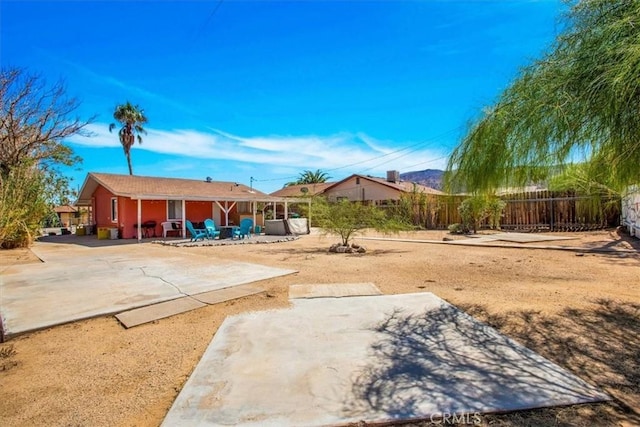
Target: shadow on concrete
471,368
92,241
600,345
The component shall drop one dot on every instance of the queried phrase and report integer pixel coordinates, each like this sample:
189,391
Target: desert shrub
473,210
495,208
346,218
476,209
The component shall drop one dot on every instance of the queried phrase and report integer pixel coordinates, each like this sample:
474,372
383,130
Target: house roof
159,188
298,190
403,186
65,209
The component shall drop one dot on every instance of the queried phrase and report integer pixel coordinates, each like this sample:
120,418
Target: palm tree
309,177
131,117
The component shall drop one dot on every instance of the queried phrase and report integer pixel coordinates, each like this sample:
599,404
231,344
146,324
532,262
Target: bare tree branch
34,121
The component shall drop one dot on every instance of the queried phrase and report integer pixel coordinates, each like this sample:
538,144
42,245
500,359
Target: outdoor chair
171,227
244,230
196,233
212,230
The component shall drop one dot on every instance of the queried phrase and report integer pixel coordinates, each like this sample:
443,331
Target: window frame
114,209
178,209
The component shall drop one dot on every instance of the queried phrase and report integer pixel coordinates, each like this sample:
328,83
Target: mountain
429,177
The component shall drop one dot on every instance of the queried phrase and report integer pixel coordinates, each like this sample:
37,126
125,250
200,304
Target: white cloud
349,152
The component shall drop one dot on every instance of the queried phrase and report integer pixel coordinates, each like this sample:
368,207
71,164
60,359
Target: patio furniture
227,231
212,231
244,230
171,226
196,233
148,228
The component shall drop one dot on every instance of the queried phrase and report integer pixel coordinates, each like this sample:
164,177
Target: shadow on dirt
600,345
415,354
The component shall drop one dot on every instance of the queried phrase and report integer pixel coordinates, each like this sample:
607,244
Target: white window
174,209
114,209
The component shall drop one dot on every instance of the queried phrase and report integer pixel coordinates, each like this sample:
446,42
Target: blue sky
247,89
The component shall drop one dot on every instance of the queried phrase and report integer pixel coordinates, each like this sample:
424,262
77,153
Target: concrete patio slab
161,310
76,282
335,290
374,359
227,294
142,315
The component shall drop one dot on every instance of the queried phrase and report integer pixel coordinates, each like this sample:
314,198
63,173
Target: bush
23,206
346,218
476,209
473,210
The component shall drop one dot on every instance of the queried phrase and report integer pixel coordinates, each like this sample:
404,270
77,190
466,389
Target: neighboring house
379,191
72,215
67,214
302,190
124,201
360,188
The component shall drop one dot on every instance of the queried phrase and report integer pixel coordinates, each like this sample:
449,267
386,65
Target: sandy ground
580,310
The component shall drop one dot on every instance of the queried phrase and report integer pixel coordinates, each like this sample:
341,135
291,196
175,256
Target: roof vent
208,179
304,190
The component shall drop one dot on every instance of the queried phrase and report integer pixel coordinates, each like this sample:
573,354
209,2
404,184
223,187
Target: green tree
131,118
34,120
600,197
347,219
310,177
579,102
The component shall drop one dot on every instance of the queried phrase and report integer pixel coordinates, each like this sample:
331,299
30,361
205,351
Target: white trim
140,221
184,219
226,209
114,209
167,210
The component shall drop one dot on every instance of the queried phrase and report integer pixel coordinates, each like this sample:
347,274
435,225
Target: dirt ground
580,310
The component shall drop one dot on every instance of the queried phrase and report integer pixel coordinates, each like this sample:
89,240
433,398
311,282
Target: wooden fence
559,211
528,211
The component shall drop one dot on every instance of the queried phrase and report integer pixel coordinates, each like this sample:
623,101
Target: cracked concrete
75,282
